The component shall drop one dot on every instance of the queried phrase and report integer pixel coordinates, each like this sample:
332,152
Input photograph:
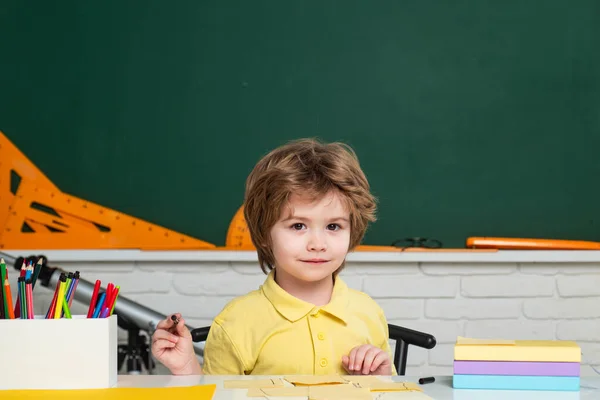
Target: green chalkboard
470,117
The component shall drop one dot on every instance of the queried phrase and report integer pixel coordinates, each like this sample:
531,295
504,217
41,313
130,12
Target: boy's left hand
367,360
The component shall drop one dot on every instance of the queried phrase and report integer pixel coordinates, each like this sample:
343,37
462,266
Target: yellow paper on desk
328,392
375,384
253,383
313,380
521,350
199,392
363,380
338,392
392,387
402,396
278,392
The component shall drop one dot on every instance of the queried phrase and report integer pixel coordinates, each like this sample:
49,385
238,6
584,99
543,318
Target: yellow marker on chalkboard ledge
530,244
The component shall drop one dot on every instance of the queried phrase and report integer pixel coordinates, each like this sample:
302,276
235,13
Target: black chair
403,337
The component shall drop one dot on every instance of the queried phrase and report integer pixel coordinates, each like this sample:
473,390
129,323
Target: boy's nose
317,243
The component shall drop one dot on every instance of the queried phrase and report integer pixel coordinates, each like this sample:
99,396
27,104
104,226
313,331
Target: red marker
93,299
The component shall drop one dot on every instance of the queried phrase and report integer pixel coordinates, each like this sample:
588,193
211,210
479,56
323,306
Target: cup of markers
101,305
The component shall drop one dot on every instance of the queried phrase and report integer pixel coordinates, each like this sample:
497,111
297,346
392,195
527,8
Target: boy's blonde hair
311,168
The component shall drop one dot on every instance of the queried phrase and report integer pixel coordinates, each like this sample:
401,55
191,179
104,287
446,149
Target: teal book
514,382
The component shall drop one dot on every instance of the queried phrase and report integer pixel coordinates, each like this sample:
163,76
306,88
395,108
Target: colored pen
65,307
93,299
424,381
4,277
74,288
50,313
99,305
60,298
112,307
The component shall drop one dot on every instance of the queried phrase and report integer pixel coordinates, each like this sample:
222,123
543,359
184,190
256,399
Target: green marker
65,307
3,276
118,289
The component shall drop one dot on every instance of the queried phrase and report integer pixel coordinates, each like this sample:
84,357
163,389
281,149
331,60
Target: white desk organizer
77,353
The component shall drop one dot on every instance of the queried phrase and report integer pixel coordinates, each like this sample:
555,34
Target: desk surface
440,390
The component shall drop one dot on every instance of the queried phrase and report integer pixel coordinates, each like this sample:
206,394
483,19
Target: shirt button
321,336
323,362
316,315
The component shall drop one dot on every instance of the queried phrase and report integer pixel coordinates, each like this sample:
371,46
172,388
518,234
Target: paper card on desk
485,342
393,387
253,383
338,392
402,396
363,380
278,392
310,380
329,392
199,392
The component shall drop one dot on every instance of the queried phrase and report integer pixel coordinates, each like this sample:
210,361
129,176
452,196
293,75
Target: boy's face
311,242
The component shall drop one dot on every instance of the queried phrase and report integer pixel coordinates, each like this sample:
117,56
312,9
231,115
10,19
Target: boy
306,205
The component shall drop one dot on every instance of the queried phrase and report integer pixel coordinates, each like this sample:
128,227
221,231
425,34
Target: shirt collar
293,309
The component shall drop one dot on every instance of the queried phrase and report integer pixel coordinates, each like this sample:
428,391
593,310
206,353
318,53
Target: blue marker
99,305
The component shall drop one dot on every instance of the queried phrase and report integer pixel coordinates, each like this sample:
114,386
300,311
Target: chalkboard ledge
55,257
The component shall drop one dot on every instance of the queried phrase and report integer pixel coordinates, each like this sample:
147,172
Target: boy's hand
172,346
367,360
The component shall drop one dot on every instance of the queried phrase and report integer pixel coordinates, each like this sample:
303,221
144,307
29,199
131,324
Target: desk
440,390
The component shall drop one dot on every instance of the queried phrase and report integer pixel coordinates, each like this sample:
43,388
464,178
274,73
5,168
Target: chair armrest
200,334
411,337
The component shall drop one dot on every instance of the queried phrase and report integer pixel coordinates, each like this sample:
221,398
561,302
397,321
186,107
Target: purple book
516,368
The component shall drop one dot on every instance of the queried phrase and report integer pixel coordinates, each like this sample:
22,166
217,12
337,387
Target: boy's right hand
172,346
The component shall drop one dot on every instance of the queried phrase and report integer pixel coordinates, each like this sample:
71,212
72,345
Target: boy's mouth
315,261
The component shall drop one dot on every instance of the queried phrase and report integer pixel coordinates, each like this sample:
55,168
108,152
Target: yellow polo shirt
270,332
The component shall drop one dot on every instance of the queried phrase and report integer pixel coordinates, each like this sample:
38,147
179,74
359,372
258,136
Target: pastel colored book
509,382
517,368
517,350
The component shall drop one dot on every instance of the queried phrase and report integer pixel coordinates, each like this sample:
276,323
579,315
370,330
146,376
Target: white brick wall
493,299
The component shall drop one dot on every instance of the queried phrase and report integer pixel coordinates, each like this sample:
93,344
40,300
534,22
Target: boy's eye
298,226
333,227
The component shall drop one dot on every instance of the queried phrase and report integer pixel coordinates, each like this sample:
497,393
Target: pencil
8,300
36,271
29,271
29,293
2,302
18,296
23,297
18,302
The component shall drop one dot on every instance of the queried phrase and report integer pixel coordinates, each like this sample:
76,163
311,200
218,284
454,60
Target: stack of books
516,364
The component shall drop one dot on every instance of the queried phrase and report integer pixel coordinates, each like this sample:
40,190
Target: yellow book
516,350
